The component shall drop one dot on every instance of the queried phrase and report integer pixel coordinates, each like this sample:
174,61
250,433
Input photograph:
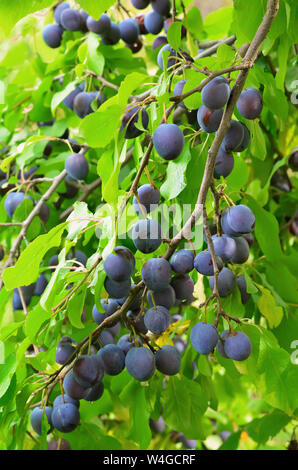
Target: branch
27,222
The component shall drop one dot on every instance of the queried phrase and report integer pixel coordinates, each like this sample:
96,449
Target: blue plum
204,337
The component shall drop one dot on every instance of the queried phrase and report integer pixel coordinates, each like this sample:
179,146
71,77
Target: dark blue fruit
52,35
183,286
157,320
237,220
149,197
237,346
241,253
224,164
224,247
157,426
112,36
129,30
113,359
79,256
234,137
68,101
161,6
168,360
73,388
110,305
140,4
12,201
140,363
245,141
60,400
86,371
95,392
117,289
226,282
166,297
65,349
204,337
40,285
221,343
159,41
178,90
147,235
241,283
70,19
36,418
82,102
106,337
182,262
126,343
156,274
119,266
204,265
101,26
172,57
209,119
77,166
216,93
168,141
131,118
66,417
250,103
58,11
153,22
137,321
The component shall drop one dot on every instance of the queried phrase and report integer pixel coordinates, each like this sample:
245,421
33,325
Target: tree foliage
70,237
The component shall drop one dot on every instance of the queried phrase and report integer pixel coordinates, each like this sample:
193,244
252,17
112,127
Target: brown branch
213,48
27,222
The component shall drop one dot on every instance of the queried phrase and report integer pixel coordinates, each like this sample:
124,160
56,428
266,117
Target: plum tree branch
56,181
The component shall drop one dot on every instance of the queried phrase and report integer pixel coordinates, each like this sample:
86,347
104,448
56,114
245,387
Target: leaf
6,372
81,219
61,95
36,317
174,182
183,407
95,9
13,11
26,269
265,428
75,307
174,35
95,59
134,395
217,23
267,306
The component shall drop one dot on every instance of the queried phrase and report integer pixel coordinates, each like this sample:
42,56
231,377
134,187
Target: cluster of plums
129,30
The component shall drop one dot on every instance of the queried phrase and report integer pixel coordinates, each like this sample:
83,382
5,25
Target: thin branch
27,222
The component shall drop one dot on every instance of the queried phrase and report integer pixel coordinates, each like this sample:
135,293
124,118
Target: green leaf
174,35
217,23
75,307
95,59
184,414
26,269
267,306
134,395
265,428
81,219
95,9
175,179
6,372
13,11
36,317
